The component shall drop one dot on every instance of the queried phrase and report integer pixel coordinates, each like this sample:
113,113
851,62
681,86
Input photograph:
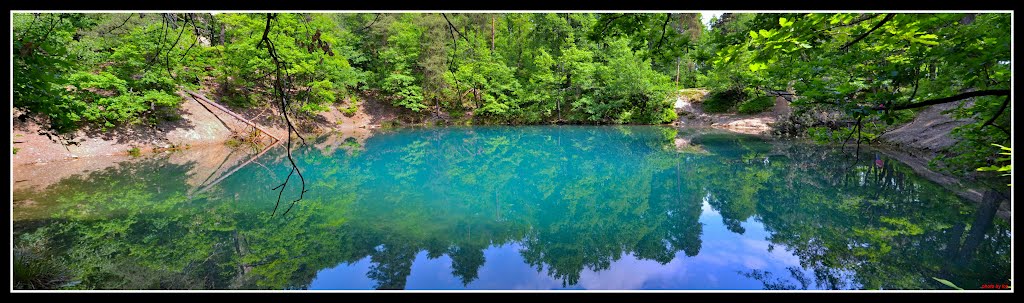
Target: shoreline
208,160
200,129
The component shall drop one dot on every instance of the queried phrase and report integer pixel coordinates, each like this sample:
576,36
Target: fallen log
202,98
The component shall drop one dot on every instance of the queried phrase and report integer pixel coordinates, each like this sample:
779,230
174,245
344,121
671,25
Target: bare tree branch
998,113
119,26
160,48
196,29
452,26
864,35
38,45
279,88
852,23
664,27
167,58
371,23
979,93
609,22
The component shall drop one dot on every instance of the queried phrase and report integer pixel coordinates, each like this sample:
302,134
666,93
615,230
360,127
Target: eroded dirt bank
690,109
199,126
198,138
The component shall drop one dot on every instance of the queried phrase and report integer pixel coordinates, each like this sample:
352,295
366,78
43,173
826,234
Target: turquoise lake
527,207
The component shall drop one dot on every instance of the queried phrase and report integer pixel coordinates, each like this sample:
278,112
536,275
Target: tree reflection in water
573,198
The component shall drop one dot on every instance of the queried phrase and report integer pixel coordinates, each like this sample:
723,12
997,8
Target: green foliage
353,106
669,115
134,151
35,268
118,69
109,100
94,79
723,101
1005,168
631,85
947,283
397,60
538,68
503,68
835,62
757,105
312,47
390,124
40,58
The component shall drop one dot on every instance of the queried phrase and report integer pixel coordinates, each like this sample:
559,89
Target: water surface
540,207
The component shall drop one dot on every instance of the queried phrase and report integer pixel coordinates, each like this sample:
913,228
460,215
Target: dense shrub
757,104
724,100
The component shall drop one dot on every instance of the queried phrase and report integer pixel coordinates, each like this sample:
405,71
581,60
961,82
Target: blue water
539,207
729,254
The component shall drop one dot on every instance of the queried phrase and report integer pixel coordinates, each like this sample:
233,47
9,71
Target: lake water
537,207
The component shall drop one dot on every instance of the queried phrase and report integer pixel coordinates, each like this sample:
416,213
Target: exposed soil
690,109
200,133
37,145
371,113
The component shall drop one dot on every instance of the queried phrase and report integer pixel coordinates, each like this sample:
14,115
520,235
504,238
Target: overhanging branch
864,35
452,26
664,28
609,22
279,87
991,92
998,113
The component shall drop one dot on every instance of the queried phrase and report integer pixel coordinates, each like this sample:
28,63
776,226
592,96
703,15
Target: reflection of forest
575,198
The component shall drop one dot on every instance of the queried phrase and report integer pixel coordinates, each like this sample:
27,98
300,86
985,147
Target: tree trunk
678,61
222,34
558,108
982,223
968,19
172,19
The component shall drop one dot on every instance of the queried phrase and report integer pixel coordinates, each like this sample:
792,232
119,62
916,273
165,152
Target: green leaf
785,22
947,283
753,35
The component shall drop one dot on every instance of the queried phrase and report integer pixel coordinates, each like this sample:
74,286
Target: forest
613,176
871,71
